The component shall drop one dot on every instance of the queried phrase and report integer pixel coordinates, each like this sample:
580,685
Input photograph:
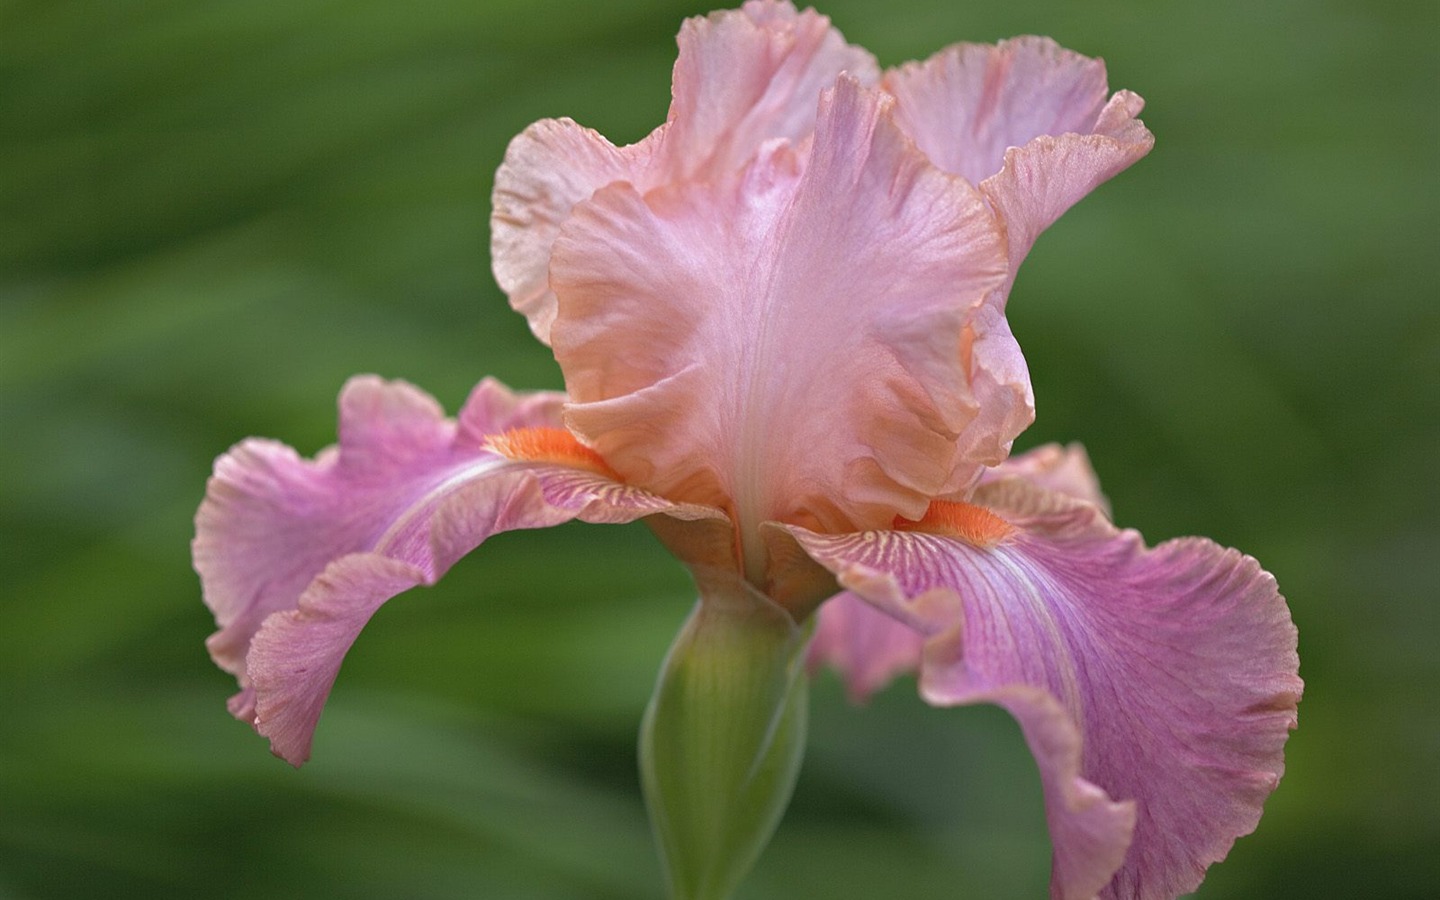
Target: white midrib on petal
466,472
755,434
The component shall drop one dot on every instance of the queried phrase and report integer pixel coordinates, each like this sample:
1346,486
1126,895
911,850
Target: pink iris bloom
780,320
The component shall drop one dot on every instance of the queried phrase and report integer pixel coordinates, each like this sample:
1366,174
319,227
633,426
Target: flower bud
722,739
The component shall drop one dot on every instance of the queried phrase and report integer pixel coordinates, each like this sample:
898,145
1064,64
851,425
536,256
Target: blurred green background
215,212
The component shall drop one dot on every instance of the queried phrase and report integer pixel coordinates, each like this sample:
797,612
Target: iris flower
780,321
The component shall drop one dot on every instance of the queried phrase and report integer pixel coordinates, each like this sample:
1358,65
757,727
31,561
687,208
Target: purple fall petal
866,646
1163,678
295,555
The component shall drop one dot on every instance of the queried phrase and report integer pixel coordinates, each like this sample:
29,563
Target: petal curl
1165,678
295,555
1059,469
786,344
743,77
1000,392
1027,120
868,647
748,76
548,168
1047,176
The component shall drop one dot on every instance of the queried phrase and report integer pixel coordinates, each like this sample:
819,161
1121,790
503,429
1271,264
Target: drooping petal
1026,119
788,344
295,555
866,646
1163,678
272,521
743,77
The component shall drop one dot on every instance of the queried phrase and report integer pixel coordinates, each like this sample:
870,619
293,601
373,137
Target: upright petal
969,103
788,345
1062,470
1027,119
1051,174
1000,393
747,76
1164,678
548,168
296,555
743,77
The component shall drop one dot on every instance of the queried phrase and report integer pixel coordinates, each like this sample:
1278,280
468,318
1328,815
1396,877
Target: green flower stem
722,740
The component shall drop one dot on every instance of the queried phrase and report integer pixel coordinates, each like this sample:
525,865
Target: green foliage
215,212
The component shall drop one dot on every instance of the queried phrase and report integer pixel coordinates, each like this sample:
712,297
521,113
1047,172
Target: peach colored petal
1062,469
1027,119
1051,174
548,168
1003,402
969,103
790,345
743,77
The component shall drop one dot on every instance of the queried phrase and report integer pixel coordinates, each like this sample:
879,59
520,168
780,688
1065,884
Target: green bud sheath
722,740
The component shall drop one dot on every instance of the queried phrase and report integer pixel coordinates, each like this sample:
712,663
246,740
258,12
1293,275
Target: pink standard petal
1000,392
1028,120
747,76
786,344
1165,678
742,77
548,168
1063,470
1051,174
295,555
969,103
